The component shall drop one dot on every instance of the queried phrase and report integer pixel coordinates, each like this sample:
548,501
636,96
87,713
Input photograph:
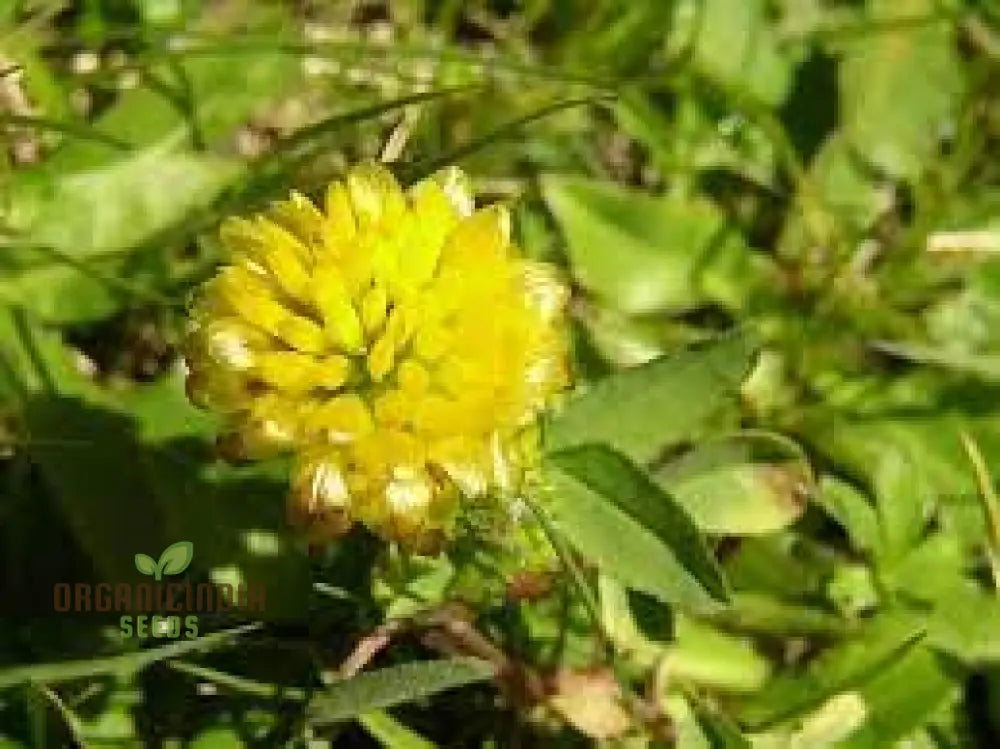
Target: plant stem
991,503
639,709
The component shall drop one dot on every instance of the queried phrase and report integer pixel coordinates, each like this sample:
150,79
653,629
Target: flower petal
339,316
375,195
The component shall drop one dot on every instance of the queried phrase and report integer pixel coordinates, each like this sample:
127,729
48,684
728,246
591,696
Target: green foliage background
770,501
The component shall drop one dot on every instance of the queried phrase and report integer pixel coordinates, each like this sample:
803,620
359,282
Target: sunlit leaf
727,492
708,657
734,44
850,508
966,623
615,515
898,89
392,686
638,252
643,410
847,667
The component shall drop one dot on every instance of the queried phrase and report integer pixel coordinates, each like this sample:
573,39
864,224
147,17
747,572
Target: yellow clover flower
395,342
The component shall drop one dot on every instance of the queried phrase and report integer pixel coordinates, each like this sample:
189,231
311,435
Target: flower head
395,342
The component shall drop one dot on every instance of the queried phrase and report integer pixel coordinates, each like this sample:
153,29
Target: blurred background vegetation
782,223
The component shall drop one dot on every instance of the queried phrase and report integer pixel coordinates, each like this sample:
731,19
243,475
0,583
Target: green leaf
145,564
609,338
902,502
965,324
82,219
781,564
848,189
900,698
136,470
115,723
735,45
233,514
852,589
90,204
639,252
87,455
851,510
908,464
726,492
176,558
823,728
163,412
392,734
930,571
769,615
124,664
708,657
643,410
965,623
983,366
90,460
899,87
616,516
846,667
406,584
720,731
392,686
116,206
219,737
696,138
33,360
619,623
198,97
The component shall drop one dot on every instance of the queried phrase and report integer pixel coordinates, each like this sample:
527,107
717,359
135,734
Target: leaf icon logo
173,561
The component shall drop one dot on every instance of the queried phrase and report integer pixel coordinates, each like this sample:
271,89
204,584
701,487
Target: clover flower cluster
395,342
